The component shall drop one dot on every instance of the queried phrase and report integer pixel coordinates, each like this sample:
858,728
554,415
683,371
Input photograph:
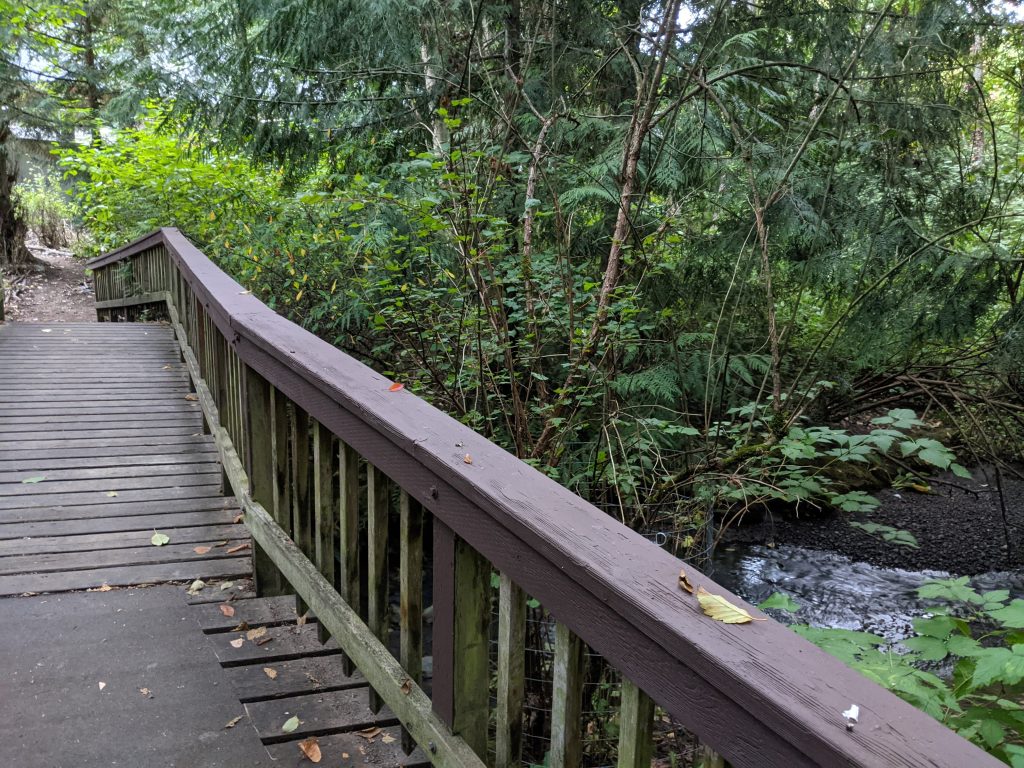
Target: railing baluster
378,492
566,699
511,663
280,445
260,468
348,532
461,651
326,513
410,577
302,523
636,716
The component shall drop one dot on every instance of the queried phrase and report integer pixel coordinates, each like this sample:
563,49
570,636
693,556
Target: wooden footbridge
452,606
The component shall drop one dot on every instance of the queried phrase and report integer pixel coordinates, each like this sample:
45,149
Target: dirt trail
57,290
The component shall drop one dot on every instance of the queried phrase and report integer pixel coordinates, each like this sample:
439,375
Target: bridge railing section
353,489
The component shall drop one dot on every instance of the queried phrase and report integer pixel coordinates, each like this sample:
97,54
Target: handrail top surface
780,679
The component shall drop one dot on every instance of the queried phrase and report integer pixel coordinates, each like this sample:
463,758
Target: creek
835,591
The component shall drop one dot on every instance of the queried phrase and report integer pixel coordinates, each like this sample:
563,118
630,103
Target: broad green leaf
33,480
290,724
780,602
1011,615
159,539
929,648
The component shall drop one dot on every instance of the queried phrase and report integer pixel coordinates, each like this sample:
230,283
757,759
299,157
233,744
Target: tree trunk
13,252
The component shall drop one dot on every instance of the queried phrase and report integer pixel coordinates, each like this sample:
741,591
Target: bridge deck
102,445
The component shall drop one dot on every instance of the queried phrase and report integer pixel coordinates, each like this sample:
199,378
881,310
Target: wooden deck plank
128,523
123,576
205,535
54,500
319,714
11,565
292,678
154,506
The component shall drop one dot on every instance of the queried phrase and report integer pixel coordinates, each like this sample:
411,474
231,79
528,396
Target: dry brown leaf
270,672
264,640
467,459
720,609
223,543
201,550
311,749
684,582
369,733
407,686
387,738
191,396
301,620
243,627
145,692
237,548
237,519
227,610
103,588
256,634
233,722
237,642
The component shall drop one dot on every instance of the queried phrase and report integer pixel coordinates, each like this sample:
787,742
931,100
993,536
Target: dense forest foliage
689,260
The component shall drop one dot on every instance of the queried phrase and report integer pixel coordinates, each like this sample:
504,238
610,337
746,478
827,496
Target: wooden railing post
260,468
566,699
462,581
508,734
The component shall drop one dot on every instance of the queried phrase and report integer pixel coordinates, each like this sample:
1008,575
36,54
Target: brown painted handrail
758,693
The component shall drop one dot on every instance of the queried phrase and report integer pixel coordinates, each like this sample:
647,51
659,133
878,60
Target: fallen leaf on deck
145,692
396,386
167,368
237,643
467,459
301,620
227,610
684,582
103,588
191,396
201,550
344,755
264,640
227,585
311,749
159,539
243,627
256,634
221,543
196,586
111,494
720,609
290,724
238,518
369,733
233,721
387,738
102,686
237,548
407,686
33,480
270,672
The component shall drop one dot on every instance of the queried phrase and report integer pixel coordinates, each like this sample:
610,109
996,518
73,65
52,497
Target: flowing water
834,591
